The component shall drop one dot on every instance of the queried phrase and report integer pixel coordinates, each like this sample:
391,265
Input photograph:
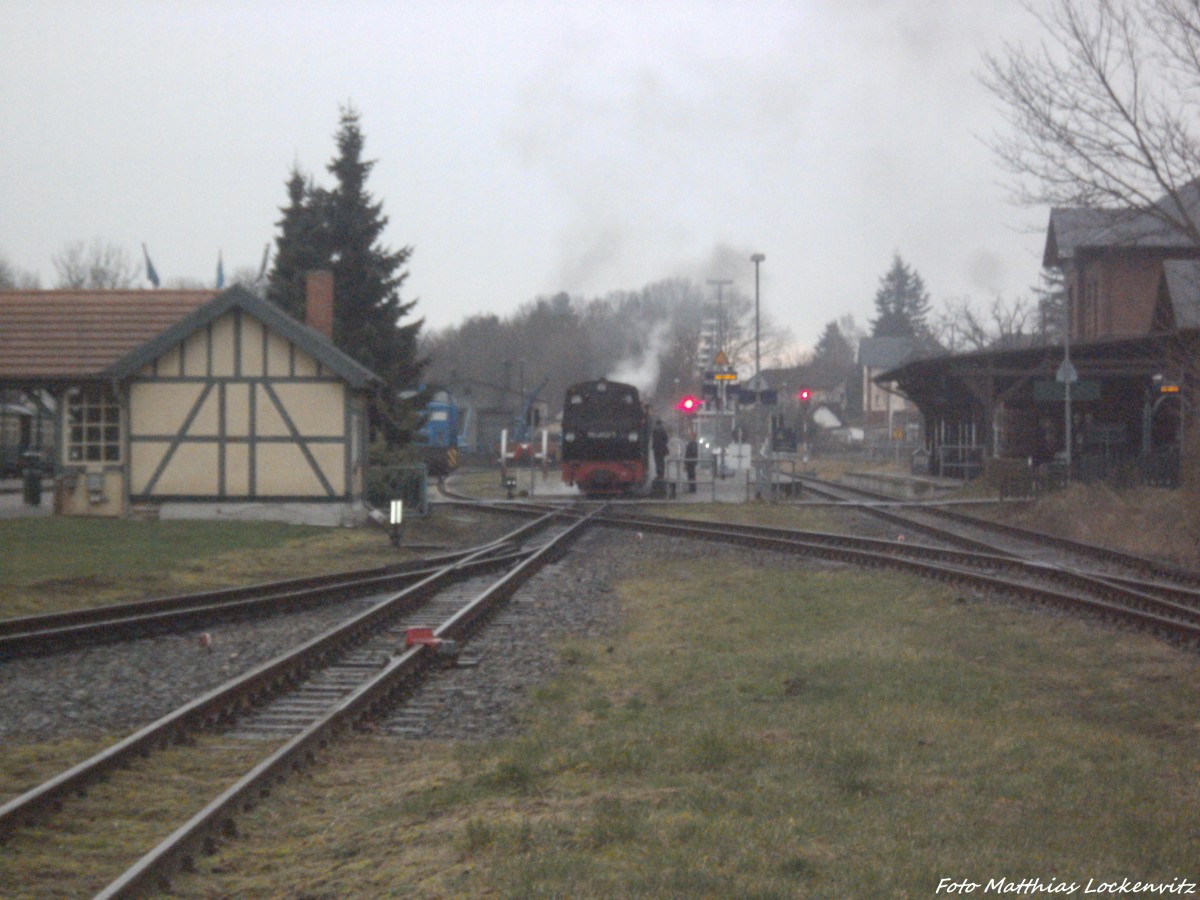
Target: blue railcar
437,438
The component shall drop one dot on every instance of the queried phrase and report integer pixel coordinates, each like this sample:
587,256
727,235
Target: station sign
727,375
1056,391
721,369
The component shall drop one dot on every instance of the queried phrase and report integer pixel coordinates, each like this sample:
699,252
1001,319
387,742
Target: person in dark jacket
691,456
660,443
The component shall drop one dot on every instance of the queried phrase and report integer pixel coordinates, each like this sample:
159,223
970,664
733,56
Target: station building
193,403
1132,286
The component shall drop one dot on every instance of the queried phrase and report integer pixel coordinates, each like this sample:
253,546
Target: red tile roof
55,335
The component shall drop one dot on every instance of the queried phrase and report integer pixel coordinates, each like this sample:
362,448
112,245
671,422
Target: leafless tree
736,322
98,266
961,327
248,277
12,278
1103,111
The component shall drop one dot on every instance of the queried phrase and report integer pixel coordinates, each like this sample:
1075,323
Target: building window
93,425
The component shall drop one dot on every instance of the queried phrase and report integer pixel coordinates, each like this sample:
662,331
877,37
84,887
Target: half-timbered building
193,403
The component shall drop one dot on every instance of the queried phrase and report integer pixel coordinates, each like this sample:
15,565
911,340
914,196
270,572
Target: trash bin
32,478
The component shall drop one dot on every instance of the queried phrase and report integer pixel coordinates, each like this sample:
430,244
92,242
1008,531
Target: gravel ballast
114,689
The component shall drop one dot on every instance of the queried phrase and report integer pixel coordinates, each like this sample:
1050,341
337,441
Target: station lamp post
756,259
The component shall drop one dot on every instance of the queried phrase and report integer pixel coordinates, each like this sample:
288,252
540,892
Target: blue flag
220,272
151,275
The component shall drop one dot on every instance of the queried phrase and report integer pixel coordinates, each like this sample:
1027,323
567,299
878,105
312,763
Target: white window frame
92,425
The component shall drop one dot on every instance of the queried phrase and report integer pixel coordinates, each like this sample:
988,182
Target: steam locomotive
605,438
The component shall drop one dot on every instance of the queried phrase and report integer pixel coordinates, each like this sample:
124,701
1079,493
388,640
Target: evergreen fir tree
367,277
1052,306
834,346
339,230
901,304
301,247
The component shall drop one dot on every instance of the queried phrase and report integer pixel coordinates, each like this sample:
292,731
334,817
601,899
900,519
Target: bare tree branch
98,266
1103,111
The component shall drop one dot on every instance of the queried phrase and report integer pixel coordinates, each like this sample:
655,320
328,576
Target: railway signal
689,405
804,395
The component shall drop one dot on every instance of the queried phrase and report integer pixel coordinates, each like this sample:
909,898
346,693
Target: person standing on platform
660,443
691,456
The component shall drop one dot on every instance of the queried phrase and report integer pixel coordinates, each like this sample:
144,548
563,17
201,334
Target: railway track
298,703
1168,607
1169,610
962,529
56,632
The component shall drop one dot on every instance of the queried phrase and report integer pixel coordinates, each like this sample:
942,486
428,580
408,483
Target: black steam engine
605,438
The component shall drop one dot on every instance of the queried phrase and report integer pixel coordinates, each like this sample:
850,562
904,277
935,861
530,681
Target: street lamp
756,259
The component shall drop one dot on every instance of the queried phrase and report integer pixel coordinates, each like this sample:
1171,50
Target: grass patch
65,549
59,563
484,483
1147,521
770,515
78,853
823,733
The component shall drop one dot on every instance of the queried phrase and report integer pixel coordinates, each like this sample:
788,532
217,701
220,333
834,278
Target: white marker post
397,521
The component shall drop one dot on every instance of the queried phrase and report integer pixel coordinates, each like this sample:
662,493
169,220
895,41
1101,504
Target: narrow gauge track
370,647
1170,609
1176,616
56,632
956,527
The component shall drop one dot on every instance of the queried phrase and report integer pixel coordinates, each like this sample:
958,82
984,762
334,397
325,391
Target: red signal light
688,405
804,396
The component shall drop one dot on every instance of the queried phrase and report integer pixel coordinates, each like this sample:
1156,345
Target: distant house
885,409
193,403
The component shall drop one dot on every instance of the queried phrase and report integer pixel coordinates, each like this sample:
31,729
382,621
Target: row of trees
903,309
650,338
80,266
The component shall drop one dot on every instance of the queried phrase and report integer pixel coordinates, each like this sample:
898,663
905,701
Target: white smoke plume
642,369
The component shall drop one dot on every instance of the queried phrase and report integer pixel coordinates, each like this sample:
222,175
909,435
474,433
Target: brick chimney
318,301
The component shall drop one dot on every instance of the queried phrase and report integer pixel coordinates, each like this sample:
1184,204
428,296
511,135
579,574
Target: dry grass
78,853
824,733
1153,522
62,563
827,733
1147,521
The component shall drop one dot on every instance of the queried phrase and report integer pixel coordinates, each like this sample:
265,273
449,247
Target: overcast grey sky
529,147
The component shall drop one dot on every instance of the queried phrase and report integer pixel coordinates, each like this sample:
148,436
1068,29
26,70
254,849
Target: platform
907,487
12,500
